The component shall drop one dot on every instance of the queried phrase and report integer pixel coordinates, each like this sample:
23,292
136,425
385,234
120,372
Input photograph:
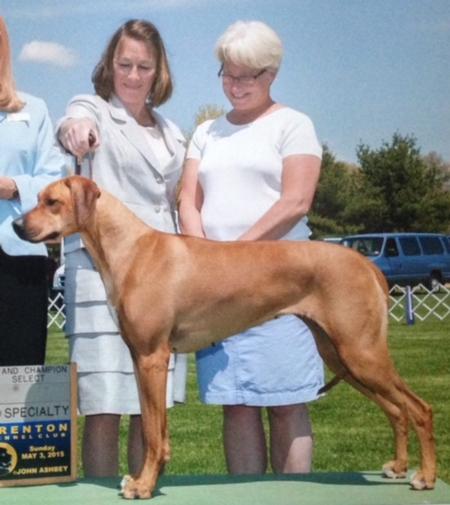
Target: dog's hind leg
398,418
369,369
421,416
373,370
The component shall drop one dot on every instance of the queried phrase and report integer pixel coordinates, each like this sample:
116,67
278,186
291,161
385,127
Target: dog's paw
124,482
419,483
132,489
391,472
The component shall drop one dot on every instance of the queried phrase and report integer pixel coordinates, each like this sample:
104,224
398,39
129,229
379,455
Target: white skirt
106,380
117,392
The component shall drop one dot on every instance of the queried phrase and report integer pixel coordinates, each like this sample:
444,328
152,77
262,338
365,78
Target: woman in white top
137,156
251,175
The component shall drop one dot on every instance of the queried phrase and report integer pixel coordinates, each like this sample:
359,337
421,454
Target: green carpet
364,488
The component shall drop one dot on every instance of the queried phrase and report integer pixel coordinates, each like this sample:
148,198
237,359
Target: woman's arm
78,130
298,185
191,200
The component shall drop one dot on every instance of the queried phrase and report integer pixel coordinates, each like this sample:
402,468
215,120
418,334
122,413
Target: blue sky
361,69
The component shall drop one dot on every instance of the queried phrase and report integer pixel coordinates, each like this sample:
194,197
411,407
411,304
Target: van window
369,246
446,243
410,246
391,248
431,245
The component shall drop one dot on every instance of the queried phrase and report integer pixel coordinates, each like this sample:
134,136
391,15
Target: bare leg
100,452
291,441
135,445
244,440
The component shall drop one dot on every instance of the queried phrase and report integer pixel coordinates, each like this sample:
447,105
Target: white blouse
241,167
158,145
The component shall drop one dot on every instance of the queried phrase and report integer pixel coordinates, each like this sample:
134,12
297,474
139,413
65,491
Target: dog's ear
84,194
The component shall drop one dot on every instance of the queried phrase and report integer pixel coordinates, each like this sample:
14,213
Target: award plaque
38,424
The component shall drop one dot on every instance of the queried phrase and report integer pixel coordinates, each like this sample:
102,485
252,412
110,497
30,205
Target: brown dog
178,293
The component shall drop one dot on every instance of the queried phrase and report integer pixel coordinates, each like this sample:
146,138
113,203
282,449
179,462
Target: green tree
205,112
398,190
208,111
332,197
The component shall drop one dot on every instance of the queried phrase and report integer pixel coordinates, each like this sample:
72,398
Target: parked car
406,258
58,279
56,291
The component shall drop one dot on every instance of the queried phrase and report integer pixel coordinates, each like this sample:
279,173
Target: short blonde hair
9,100
252,44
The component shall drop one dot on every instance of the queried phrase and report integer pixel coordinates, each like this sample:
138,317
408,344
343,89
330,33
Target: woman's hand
8,188
79,136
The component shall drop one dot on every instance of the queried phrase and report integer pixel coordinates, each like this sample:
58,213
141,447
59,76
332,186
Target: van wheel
435,282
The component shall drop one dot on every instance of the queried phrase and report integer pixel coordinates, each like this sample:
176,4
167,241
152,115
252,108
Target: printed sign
38,424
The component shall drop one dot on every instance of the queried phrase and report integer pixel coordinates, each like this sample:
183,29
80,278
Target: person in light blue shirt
29,160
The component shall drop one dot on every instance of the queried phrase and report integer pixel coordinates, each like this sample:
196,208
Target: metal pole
409,306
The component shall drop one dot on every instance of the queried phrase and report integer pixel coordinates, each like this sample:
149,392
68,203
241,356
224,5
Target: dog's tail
330,384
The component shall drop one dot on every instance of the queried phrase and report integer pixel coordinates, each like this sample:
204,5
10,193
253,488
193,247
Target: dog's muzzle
19,228
28,235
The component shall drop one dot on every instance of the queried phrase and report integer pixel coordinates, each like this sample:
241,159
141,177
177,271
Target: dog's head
64,207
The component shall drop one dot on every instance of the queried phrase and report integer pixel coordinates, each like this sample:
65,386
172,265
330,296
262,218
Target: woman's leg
291,439
135,445
100,451
244,440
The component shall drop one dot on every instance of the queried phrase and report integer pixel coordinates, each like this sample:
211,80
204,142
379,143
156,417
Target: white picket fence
56,316
417,302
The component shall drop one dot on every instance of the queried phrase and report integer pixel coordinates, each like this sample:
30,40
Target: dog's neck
118,226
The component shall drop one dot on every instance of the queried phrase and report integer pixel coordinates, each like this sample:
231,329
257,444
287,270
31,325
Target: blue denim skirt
273,364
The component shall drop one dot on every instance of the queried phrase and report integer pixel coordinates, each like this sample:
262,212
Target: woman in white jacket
137,156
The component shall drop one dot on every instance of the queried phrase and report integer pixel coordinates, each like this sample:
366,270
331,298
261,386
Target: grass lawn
351,433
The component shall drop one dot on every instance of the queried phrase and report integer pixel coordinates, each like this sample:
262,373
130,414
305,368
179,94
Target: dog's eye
50,202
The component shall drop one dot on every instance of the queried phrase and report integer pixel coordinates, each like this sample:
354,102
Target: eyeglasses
126,67
243,80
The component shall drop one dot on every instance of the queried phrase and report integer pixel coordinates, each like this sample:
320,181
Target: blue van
406,258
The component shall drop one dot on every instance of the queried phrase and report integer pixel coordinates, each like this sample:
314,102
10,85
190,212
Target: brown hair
9,100
146,32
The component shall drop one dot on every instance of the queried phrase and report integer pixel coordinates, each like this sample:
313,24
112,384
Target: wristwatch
15,194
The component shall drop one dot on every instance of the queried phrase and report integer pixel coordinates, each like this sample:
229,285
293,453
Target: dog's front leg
151,373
